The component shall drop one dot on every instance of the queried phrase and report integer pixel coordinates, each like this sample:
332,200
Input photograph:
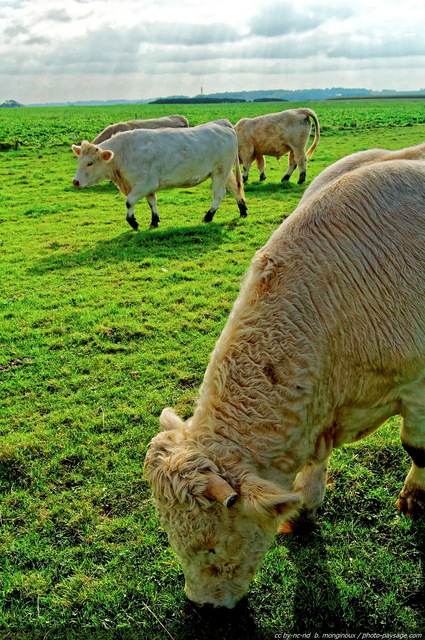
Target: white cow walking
142,162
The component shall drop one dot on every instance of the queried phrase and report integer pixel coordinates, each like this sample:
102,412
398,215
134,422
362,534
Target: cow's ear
76,149
168,420
106,155
266,502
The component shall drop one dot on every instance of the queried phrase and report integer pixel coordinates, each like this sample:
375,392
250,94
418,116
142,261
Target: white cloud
283,18
85,49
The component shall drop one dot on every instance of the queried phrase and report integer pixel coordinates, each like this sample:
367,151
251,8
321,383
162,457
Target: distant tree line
11,103
195,100
270,100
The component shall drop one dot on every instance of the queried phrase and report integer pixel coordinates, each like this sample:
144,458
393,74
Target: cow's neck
117,176
267,389
248,415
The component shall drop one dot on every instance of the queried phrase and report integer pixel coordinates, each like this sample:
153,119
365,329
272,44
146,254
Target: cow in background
276,134
150,123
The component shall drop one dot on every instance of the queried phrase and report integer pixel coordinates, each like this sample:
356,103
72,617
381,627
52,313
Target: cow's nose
75,183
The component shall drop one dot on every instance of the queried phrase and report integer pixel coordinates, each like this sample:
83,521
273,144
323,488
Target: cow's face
219,532
92,164
219,550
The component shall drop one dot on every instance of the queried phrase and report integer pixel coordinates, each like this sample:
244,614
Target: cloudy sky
59,51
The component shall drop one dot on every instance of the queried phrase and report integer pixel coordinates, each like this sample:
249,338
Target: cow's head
219,522
92,164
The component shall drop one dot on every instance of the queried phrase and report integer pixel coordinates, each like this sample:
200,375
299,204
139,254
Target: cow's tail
311,114
238,175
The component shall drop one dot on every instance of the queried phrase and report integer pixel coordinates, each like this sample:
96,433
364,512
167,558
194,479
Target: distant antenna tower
202,91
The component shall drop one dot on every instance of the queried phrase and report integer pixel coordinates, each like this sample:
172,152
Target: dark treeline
195,100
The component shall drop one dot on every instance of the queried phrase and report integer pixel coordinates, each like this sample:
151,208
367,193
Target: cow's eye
90,164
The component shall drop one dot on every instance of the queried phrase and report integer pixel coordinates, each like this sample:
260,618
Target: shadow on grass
176,243
317,606
417,599
219,624
256,187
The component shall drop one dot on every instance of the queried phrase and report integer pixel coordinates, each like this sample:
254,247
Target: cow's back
360,244
274,134
358,159
174,121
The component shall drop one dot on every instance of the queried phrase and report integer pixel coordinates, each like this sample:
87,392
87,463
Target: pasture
101,328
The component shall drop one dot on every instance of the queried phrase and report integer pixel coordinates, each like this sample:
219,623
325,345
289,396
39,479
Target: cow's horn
219,490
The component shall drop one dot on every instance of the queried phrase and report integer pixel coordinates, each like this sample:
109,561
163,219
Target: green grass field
100,329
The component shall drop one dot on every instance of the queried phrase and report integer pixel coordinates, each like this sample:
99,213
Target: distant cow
325,342
275,134
142,162
150,123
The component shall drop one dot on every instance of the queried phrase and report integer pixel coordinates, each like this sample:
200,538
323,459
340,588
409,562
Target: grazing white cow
276,134
325,342
142,162
149,123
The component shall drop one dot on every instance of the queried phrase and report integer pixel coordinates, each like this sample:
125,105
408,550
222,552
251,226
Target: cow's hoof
133,223
411,502
245,179
153,225
301,178
208,217
285,178
262,177
242,209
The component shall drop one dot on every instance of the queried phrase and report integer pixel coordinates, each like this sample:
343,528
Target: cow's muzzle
76,183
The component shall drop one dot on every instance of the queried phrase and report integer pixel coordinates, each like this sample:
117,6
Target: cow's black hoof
285,178
243,209
133,223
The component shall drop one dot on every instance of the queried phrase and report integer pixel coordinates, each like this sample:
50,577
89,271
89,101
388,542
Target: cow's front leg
411,500
130,215
151,198
144,189
311,484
